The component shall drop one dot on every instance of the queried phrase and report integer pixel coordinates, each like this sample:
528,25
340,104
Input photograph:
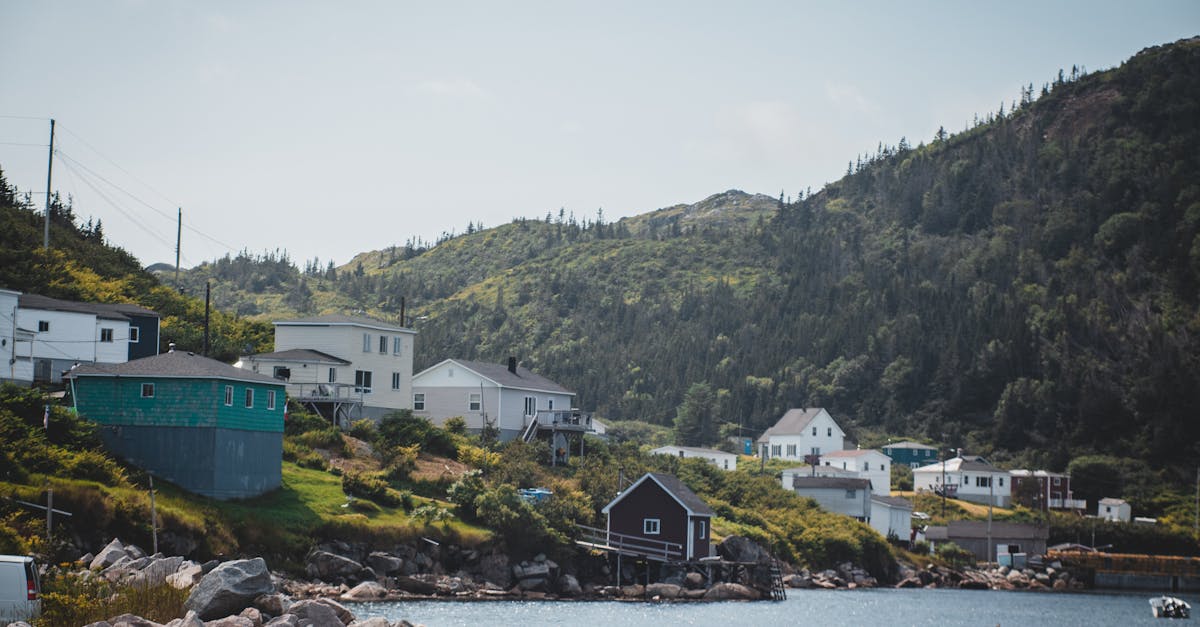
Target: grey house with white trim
505,396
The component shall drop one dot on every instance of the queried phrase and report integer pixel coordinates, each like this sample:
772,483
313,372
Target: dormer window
814,431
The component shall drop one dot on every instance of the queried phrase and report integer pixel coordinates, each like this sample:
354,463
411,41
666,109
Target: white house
67,333
506,397
720,459
1116,510
788,476
967,477
849,496
16,343
867,463
800,432
892,515
353,365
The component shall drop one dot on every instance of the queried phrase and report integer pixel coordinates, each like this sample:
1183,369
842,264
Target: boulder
663,590
374,621
328,566
155,573
188,575
908,582
693,581
526,570
365,591
315,613
383,563
230,621
230,588
494,568
130,620
101,623
635,591
255,616
415,586
341,611
189,620
568,585
742,549
109,555
272,604
287,620
1060,584
134,551
534,584
731,592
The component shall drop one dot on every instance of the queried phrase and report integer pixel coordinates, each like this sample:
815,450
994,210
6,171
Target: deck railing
626,544
326,392
561,418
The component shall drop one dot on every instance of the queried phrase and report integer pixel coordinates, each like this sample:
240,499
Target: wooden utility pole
178,238
153,517
49,170
207,295
49,511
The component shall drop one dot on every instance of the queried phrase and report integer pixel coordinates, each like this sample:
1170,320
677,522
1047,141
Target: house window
333,375
814,430
530,405
281,372
1057,481
474,402
550,404
135,335
829,431
147,390
43,326
383,344
366,342
983,482
866,466
362,381
249,397
881,467
850,494
106,335
650,526
270,399
791,450
701,530
1002,482
395,380
727,464
776,450
396,345
419,401
816,450
228,395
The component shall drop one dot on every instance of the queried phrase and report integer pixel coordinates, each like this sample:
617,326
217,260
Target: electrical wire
68,163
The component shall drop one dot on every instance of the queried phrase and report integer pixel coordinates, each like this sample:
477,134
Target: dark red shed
662,511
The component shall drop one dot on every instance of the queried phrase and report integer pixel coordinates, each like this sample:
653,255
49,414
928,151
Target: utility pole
1196,524
207,295
49,170
49,511
991,500
178,238
153,516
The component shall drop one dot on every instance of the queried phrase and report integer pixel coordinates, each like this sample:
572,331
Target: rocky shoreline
244,593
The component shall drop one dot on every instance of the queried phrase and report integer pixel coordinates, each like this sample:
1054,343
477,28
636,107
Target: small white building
967,477
1116,510
67,333
851,497
507,397
892,515
866,463
16,343
801,432
720,459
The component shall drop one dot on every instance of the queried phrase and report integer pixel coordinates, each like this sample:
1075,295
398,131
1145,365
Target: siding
649,501
345,341
178,403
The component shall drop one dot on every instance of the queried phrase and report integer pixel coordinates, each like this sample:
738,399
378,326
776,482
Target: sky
333,128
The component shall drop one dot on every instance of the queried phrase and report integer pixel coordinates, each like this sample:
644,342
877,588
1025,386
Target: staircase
778,591
530,431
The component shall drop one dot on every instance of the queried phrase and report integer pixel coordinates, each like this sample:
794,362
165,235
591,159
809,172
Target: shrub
302,455
364,429
399,462
401,428
478,457
954,554
920,547
300,421
69,599
329,438
455,425
431,513
371,485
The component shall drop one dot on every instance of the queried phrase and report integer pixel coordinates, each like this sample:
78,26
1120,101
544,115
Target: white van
20,590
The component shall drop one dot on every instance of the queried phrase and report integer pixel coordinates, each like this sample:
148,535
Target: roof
794,421
979,529
973,463
852,453
108,311
892,501
693,449
499,374
299,354
912,445
1112,501
1020,472
937,533
672,486
173,365
831,483
339,319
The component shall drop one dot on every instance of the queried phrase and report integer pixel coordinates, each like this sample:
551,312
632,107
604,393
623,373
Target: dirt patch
362,456
433,468
1080,112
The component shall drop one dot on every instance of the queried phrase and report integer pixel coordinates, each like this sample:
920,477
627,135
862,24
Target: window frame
148,387
776,450
651,526
701,529
397,345
135,334
475,401
418,403
366,342
333,374
395,380
229,396
249,397
43,326
270,400
530,406
364,381
383,344
106,335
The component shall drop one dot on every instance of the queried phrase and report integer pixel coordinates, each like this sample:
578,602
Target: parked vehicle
20,589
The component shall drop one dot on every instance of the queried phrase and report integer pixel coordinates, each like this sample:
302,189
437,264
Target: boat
1170,607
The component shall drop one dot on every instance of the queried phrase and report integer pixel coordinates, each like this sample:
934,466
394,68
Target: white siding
829,437
930,477
345,341
879,469
888,519
836,500
15,353
447,388
720,459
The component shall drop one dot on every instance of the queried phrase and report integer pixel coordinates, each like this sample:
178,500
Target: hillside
1026,288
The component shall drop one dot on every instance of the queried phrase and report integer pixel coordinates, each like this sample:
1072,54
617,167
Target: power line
118,166
23,144
24,117
158,236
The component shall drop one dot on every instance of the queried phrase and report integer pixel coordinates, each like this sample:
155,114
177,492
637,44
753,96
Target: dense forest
1025,288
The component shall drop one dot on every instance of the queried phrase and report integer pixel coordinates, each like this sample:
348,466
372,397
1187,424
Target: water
890,607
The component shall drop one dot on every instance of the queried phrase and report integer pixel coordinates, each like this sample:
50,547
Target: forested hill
1025,288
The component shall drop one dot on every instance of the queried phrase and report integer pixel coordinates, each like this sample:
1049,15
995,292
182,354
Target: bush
364,430
300,421
401,428
69,599
920,547
954,554
399,462
329,438
302,455
455,425
371,485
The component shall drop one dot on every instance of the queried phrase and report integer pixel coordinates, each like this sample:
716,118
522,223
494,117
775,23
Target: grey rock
374,621
230,588
494,568
272,604
693,581
109,555
415,586
255,616
130,620
342,612
102,623
187,575
287,620
365,591
383,563
742,549
326,566
230,621
526,570
314,613
663,590
134,551
155,573
731,592
568,585
189,620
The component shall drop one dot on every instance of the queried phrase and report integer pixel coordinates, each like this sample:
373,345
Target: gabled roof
128,309
979,529
1021,472
1112,501
794,422
830,483
299,354
852,453
692,449
173,365
522,379
108,311
342,320
893,501
973,463
912,445
673,487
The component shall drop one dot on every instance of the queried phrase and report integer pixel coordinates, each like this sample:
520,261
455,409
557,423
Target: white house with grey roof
967,477
720,459
866,463
801,432
840,495
507,397
352,366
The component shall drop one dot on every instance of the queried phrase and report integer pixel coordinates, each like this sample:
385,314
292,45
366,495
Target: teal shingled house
206,426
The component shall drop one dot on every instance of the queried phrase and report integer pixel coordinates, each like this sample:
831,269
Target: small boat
1170,607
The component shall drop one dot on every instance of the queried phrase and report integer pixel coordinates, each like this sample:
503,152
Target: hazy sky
338,127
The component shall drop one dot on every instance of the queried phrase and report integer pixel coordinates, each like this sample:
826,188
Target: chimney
171,347
512,364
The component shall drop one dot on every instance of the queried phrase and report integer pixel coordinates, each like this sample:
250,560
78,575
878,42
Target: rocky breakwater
846,575
1037,576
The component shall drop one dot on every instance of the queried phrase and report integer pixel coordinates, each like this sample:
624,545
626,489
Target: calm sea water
889,607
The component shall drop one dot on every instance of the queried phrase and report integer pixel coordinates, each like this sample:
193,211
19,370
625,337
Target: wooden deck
628,545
